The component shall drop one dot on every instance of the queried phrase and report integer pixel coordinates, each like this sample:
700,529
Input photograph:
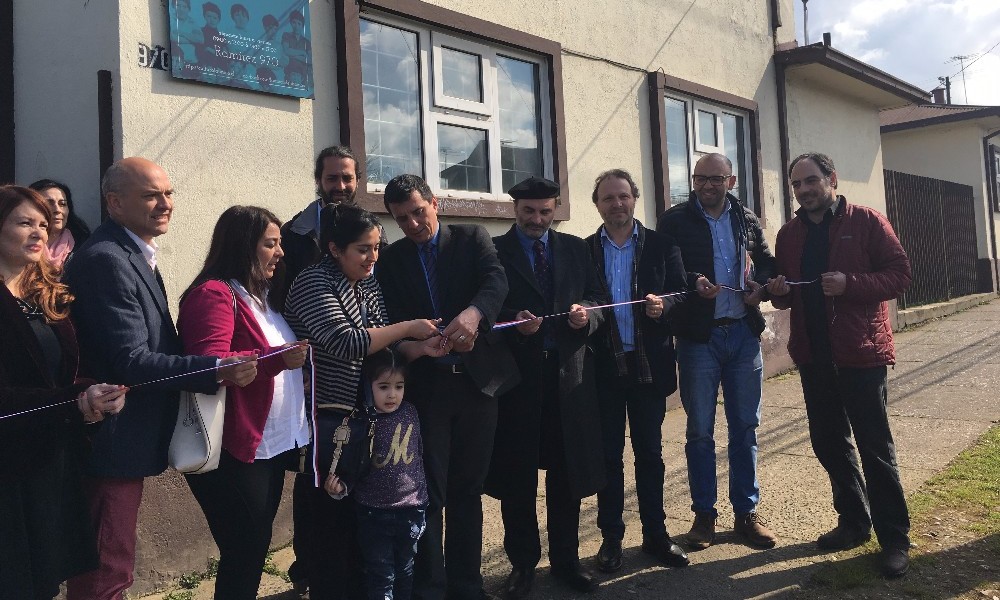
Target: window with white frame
695,128
466,115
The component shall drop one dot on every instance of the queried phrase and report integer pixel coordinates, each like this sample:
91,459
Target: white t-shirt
286,426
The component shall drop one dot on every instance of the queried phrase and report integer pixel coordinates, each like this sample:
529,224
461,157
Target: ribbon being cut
506,324
503,325
162,379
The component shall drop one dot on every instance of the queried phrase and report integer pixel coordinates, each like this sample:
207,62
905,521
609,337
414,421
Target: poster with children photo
261,45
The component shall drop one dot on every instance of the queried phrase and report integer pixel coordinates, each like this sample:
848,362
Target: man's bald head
139,196
711,180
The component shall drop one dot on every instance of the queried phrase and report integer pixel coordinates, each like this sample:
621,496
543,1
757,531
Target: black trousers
239,501
298,571
842,400
335,566
520,520
457,423
646,408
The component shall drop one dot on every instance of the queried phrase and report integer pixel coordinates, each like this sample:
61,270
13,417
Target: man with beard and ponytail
336,175
854,264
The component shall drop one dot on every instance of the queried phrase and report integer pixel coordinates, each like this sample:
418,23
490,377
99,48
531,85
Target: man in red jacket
847,263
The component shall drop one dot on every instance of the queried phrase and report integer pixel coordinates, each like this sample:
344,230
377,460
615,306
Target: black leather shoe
666,551
895,562
609,557
518,584
843,537
575,577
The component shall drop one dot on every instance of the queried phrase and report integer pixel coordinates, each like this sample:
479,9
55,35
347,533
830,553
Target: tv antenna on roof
960,59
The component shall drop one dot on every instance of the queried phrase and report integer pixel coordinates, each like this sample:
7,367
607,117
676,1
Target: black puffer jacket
692,320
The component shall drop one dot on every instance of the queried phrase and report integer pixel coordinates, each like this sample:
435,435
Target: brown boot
702,532
753,528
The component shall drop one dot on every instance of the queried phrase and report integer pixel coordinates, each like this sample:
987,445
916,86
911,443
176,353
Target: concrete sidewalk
942,396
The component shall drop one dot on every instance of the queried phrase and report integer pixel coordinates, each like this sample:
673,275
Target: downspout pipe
783,143
992,200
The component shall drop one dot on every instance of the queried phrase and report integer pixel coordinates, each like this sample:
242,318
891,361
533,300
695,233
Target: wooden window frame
352,126
660,85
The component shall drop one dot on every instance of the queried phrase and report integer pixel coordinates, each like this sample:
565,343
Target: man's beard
329,198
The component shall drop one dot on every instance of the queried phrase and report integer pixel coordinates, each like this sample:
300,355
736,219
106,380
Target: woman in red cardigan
229,310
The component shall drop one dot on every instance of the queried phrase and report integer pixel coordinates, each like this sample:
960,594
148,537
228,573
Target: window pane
391,91
734,148
462,153
706,128
678,150
520,125
462,74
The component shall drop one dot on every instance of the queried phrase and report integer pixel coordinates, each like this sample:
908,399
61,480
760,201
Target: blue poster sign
262,45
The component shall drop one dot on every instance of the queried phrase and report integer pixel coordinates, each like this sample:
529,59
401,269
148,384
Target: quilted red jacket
865,248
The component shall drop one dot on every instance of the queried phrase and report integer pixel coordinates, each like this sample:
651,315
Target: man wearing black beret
550,421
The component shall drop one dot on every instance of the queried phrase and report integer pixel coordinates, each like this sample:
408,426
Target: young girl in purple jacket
392,497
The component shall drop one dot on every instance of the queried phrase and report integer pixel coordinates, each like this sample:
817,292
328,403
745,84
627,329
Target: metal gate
936,223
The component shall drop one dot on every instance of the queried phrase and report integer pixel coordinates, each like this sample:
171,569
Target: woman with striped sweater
337,304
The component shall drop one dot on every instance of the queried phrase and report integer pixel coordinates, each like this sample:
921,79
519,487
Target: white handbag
197,441
196,444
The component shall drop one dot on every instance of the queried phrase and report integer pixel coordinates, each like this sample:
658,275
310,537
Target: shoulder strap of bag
236,309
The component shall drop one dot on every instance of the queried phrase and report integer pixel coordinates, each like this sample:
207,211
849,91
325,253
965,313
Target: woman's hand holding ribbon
296,357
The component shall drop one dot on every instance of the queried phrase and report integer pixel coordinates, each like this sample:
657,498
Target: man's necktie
543,275
430,265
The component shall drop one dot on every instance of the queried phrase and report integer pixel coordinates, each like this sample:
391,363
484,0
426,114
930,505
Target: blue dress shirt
618,261
727,263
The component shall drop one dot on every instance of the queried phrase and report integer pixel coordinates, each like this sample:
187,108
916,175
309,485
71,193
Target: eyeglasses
714,179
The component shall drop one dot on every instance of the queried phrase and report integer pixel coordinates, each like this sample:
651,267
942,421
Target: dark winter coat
687,225
517,446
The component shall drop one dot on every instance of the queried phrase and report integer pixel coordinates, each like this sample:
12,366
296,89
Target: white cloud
914,39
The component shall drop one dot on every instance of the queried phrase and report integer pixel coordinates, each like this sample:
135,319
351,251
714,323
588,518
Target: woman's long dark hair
233,254
74,223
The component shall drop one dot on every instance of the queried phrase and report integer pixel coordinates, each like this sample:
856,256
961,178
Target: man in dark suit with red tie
551,420
449,272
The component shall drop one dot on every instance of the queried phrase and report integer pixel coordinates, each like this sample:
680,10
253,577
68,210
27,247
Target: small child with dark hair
392,497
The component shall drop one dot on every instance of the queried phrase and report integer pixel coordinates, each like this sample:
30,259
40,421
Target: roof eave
970,115
827,56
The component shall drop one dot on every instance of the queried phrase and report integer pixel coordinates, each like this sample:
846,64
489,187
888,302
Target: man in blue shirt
718,342
634,364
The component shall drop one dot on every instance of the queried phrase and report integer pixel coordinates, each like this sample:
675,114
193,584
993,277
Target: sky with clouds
914,40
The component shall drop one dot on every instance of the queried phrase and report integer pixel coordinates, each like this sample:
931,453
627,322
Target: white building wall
223,146
845,129
952,152
58,49
606,105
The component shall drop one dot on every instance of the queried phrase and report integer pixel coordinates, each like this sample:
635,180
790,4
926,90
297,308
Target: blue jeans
388,539
731,357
